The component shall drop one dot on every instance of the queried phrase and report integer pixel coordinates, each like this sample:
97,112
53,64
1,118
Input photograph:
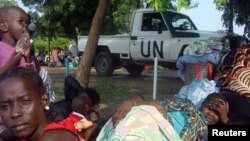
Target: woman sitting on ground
23,104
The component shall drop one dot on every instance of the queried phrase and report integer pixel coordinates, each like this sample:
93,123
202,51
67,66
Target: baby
76,121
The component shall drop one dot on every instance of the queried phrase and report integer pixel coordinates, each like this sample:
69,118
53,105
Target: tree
228,15
7,2
84,69
235,10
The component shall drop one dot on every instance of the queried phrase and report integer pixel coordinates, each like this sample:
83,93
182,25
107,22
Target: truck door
151,39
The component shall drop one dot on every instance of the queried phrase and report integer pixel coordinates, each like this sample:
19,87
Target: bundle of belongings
199,58
225,60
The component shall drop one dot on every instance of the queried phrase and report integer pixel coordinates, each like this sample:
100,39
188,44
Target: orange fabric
209,70
197,70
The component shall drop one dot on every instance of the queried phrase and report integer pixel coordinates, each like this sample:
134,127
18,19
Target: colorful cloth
142,123
233,71
195,120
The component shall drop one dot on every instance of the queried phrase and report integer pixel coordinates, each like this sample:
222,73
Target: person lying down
173,119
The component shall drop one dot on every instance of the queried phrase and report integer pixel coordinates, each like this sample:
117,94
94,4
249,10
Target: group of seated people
28,115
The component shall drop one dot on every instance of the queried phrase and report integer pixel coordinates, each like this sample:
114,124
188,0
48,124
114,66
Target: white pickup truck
152,34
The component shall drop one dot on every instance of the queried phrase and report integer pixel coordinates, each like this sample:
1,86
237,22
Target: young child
76,121
23,102
14,33
74,111
13,25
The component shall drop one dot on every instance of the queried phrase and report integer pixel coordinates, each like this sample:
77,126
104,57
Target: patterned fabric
196,122
142,123
146,123
233,71
47,83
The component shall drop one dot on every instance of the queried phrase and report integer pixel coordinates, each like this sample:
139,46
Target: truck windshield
179,21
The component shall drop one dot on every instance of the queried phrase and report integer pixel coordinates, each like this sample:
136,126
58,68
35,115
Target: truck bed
116,43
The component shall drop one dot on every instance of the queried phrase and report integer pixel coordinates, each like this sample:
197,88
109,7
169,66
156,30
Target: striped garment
142,123
146,123
233,71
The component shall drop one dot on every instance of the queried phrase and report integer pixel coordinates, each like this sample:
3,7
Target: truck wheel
134,69
104,64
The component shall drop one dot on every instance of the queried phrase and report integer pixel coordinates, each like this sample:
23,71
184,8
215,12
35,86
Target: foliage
183,4
73,17
122,11
159,4
171,4
7,2
41,43
63,17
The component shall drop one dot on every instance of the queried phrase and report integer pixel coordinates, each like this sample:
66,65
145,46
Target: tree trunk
87,58
231,17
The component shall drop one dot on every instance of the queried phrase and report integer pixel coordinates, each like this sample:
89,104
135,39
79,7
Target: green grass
59,91
109,93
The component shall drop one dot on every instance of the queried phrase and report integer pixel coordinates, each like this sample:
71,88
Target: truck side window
152,22
180,22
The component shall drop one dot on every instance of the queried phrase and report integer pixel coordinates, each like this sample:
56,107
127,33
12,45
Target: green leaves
220,3
7,2
182,4
159,4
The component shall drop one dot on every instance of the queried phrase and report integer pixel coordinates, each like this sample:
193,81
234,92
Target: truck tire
134,69
104,64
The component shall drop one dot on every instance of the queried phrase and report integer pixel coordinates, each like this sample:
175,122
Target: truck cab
163,35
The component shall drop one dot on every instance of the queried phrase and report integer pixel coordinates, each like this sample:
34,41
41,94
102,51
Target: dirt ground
168,82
